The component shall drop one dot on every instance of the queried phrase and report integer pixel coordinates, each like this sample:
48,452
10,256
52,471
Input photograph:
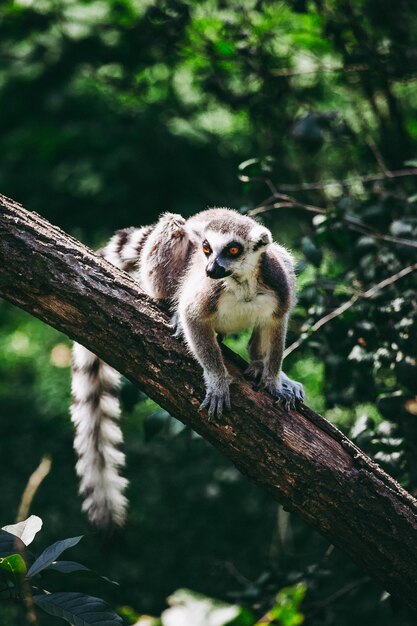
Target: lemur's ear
260,236
195,231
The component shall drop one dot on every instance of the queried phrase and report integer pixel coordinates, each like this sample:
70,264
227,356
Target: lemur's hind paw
254,371
290,392
286,392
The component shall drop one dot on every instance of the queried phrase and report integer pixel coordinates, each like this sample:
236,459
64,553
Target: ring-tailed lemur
222,273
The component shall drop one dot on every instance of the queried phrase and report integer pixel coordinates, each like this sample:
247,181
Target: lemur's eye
206,248
233,250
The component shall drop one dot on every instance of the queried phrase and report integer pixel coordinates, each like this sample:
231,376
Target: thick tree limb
301,459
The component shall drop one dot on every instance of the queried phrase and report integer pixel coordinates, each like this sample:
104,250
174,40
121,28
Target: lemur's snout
215,270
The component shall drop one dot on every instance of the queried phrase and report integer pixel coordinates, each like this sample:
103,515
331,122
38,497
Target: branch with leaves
349,303
22,575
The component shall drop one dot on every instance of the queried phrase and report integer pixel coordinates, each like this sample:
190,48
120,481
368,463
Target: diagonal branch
298,457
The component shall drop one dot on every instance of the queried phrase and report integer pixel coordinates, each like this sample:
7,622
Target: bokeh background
301,112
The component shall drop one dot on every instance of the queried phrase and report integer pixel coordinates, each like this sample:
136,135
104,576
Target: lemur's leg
164,257
203,343
271,344
255,368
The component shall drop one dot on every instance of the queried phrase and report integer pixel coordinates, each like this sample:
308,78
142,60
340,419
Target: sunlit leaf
13,565
191,608
26,530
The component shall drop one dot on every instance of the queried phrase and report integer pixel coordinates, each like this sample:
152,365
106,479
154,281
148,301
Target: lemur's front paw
285,391
217,399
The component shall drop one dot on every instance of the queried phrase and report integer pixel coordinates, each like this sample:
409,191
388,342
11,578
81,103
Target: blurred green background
302,112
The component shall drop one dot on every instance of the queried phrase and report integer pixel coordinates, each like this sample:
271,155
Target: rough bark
298,457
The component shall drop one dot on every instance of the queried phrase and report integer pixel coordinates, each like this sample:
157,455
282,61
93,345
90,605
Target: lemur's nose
215,270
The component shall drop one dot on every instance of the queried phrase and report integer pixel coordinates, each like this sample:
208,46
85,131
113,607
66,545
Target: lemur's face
229,254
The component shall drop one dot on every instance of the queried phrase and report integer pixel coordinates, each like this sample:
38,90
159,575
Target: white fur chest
242,306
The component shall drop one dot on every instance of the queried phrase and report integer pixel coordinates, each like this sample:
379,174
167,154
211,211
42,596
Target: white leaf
26,530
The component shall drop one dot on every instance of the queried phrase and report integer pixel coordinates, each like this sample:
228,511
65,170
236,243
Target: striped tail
95,409
95,412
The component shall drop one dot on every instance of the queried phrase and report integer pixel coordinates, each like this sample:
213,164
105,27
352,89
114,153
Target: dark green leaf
50,555
78,609
10,544
311,252
67,567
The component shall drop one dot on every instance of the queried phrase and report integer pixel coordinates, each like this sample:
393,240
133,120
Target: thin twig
412,171
32,486
363,229
354,223
336,595
290,203
289,72
388,174
29,604
346,305
378,156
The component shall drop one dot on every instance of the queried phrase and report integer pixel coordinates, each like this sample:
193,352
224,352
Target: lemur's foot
217,400
254,371
285,391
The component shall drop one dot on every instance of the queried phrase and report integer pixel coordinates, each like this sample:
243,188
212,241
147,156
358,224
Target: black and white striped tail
95,413
95,410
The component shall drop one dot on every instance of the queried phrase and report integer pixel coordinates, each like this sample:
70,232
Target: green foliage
20,582
286,610
188,607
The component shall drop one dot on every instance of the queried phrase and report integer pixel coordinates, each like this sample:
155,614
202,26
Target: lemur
221,272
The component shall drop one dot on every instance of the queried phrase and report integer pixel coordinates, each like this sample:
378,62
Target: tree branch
299,458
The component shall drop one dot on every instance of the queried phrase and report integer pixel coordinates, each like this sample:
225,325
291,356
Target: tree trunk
300,458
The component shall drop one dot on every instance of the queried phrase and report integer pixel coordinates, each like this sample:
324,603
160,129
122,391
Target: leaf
67,567
49,555
10,544
189,607
26,530
286,610
78,609
311,251
14,565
